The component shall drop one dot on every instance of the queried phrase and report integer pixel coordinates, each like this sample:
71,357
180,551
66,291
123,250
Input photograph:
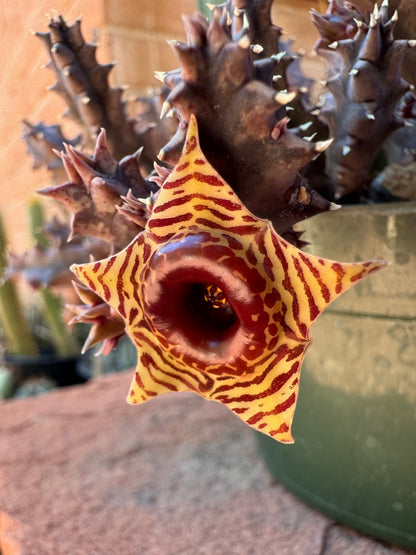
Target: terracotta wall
133,32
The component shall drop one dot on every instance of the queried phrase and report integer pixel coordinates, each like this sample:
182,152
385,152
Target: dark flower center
194,304
210,307
215,296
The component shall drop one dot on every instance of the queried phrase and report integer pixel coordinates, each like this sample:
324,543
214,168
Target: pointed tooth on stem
358,23
333,45
257,48
279,56
334,206
284,97
310,138
371,116
354,72
305,126
244,42
246,22
320,146
346,150
160,76
395,16
166,107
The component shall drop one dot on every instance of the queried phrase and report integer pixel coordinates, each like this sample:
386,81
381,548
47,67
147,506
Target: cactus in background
64,341
42,267
17,333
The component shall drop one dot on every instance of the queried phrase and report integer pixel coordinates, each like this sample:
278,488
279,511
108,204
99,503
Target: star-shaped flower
215,300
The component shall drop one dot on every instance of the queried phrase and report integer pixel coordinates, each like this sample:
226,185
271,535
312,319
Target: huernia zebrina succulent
205,271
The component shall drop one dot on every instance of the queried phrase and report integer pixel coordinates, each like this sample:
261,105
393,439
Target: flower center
215,296
195,305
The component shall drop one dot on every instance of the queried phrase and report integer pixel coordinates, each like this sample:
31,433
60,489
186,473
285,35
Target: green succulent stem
36,223
64,342
17,333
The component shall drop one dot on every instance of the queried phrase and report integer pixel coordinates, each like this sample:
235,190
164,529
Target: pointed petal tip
76,269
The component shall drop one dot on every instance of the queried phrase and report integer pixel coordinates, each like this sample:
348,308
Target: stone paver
84,473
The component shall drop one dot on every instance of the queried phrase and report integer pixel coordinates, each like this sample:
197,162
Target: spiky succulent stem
95,190
83,83
364,88
42,140
242,122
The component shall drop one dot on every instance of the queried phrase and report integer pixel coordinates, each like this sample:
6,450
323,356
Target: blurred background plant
33,325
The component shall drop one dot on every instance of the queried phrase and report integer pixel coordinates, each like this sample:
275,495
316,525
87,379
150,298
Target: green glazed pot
354,456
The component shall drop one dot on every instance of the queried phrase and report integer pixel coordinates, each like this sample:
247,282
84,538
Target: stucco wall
23,95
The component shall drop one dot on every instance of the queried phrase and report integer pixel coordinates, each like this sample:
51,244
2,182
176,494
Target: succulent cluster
364,90
253,106
243,87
